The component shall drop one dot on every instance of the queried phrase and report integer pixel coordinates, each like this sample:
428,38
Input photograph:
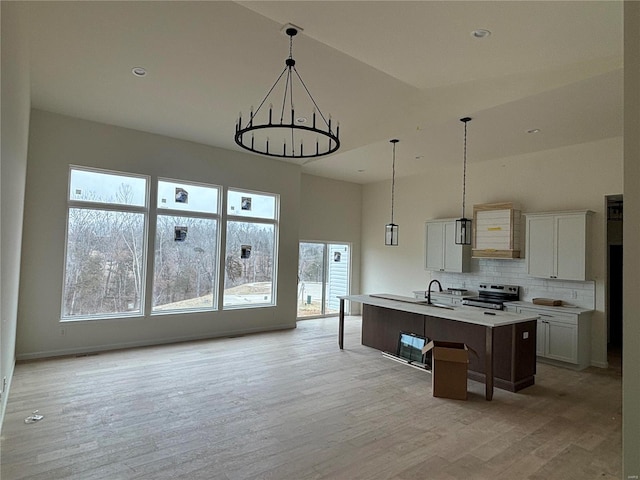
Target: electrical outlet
63,331
525,335
574,294
4,384
526,290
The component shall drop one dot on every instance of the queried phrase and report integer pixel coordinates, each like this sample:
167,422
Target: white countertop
561,309
463,313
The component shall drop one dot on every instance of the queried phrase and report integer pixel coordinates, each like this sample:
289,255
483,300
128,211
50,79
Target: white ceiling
383,69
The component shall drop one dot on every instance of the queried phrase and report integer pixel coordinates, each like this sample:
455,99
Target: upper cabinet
557,244
496,230
442,253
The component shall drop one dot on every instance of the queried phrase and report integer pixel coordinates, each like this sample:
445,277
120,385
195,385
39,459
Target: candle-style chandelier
282,132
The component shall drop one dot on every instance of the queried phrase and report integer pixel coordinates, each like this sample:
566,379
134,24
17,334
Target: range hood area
496,230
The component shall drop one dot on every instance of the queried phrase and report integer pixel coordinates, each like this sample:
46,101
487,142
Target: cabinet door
570,240
540,246
541,338
452,252
434,235
562,341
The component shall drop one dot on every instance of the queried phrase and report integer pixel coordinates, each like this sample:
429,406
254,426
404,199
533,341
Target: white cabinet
557,245
442,253
561,337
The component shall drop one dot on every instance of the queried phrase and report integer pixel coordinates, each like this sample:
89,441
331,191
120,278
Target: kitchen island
502,344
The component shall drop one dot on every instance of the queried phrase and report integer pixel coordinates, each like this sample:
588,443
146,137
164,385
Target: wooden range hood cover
496,230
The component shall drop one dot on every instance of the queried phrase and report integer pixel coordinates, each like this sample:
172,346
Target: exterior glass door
323,275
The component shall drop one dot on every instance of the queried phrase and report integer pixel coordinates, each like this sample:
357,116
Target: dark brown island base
502,345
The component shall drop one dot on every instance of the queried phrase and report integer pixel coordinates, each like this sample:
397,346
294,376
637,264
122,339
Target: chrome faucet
429,290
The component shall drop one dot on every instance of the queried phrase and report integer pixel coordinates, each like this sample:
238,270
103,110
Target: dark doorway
615,296
614,280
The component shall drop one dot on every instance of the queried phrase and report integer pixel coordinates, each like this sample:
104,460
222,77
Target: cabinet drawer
546,315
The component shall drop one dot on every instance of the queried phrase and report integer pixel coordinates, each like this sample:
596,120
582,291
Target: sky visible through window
107,188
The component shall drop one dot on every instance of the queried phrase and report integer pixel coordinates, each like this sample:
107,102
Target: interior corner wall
567,178
55,142
331,211
13,166
631,241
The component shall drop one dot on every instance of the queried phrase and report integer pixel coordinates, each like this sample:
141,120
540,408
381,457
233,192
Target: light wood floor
291,405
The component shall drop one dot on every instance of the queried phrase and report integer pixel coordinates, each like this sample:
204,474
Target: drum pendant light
463,225
391,229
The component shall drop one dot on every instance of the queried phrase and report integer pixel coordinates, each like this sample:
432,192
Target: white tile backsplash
514,272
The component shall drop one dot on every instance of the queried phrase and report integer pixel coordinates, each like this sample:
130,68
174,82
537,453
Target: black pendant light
463,225
391,229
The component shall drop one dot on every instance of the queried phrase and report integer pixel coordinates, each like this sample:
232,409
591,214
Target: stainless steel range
493,296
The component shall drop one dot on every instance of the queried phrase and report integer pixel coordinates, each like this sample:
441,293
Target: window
108,220
250,261
186,247
105,247
323,275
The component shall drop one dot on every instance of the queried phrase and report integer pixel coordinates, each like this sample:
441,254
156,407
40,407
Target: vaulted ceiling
383,69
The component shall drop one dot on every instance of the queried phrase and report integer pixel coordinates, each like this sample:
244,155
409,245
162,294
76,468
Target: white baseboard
145,343
5,394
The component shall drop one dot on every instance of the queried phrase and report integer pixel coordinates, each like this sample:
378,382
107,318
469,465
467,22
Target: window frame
275,221
164,211
108,207
150,212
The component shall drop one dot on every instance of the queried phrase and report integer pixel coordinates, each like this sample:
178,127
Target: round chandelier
281,132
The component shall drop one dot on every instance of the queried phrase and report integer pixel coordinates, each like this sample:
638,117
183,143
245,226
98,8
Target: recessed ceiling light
534,130
301,120
139,71
480,33
362,170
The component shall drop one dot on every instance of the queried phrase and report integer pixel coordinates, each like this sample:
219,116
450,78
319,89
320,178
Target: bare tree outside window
186,247
184,271
107,246
104,270
250,249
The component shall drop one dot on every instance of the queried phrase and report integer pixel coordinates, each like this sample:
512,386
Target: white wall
331,211
57,141
631,311
574,177
13,165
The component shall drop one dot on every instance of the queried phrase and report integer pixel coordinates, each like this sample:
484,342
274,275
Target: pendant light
391,229
463,225
302,137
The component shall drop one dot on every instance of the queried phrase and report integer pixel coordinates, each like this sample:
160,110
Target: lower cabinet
514,359
558,337
561,337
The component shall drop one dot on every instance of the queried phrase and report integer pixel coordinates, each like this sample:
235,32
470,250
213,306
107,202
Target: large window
186,245
106,260
250,262
105,249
